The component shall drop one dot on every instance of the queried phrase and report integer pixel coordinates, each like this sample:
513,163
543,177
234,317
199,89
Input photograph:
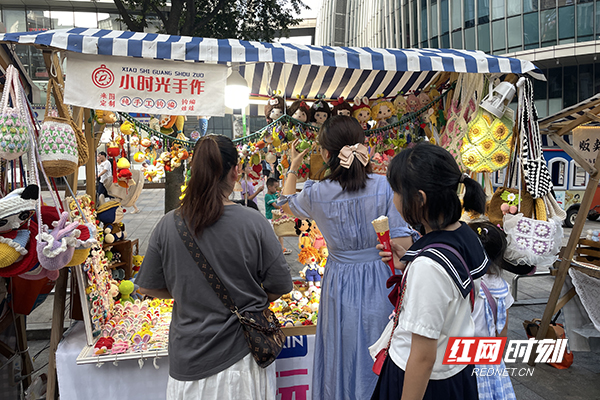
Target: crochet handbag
507,193
261,328
58,140
487,144
537,176
283,226
14,121
463,104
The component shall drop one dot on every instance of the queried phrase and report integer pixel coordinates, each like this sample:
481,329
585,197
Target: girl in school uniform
436,294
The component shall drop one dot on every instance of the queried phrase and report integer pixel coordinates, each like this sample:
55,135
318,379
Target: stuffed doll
381,111
320,111
317,237
137,263
361,111
401,107
341,107
413,103
299,110
124,175
274,108
309,257
105,117
303,231
16,235
126,287
111,216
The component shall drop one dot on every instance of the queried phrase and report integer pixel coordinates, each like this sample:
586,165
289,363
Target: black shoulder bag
261,328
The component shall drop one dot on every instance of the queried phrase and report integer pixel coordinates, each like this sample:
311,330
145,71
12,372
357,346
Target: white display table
128,381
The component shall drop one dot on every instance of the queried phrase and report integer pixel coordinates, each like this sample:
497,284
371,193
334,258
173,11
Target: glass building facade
512,27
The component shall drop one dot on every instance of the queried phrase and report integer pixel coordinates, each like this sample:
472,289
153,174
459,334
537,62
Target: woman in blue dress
354,308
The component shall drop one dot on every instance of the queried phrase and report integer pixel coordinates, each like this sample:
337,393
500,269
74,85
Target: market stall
181,76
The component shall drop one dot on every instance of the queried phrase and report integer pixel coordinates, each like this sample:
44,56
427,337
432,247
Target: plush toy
361,111
303,231
105,117
381,111
317,237
111,216
413,103
154,124
274,108
124,175
137,263
299,110
323,255
127,128
341,107
309,257
16,238
320,111
126,287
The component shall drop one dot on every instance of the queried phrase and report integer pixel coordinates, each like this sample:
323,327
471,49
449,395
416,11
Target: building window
547,4
566,22
498,178
38,20
515,34
548,27
62,19
558,167
598,21
498,35
497,9
554,90
457,40
597,78
540,93
531,31
483,11
424,34
445,16
570,86
15,21
469,9
470,39
455,17
415,19
433,23
109,21
483,38
530,5
586,81
585,20
445,41
513,7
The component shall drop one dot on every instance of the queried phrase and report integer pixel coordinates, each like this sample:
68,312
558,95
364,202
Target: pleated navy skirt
462,386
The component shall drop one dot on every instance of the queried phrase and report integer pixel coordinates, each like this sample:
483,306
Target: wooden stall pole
58,316
90,166
21,333
567,256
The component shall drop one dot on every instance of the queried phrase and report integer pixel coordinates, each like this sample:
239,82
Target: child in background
490,312
271,204
249,191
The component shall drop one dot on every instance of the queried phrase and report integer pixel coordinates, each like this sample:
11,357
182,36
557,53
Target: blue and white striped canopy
291,69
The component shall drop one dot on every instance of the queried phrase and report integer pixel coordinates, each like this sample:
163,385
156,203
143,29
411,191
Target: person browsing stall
353,309
437,290
104,173
209,357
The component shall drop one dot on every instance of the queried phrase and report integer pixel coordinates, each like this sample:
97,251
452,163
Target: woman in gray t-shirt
208,354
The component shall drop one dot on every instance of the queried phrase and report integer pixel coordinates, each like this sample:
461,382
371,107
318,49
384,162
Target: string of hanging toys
390,124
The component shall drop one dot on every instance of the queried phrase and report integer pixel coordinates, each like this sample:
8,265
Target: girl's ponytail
474,198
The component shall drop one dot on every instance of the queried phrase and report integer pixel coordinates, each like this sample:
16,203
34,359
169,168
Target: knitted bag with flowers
57,140
14,122
487,144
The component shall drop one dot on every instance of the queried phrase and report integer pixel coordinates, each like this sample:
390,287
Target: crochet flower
487,145
542,231
500,132
500,158
540,247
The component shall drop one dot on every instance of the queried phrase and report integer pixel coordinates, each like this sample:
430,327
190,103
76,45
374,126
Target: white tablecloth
128,381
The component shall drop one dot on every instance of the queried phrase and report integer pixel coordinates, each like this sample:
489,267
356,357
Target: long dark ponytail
202,205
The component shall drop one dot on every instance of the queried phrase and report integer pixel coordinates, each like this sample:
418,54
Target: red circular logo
103,77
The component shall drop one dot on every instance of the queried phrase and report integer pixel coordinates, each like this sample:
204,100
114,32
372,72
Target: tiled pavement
580,381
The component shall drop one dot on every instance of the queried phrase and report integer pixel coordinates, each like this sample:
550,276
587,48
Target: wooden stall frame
555,303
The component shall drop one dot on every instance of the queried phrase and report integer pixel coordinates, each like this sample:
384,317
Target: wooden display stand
126,249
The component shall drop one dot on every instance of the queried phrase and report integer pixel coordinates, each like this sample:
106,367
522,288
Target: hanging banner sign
145,86
586,140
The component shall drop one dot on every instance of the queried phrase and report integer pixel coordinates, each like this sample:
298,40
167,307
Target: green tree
262,20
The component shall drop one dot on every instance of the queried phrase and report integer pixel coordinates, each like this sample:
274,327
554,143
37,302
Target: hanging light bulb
237,92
